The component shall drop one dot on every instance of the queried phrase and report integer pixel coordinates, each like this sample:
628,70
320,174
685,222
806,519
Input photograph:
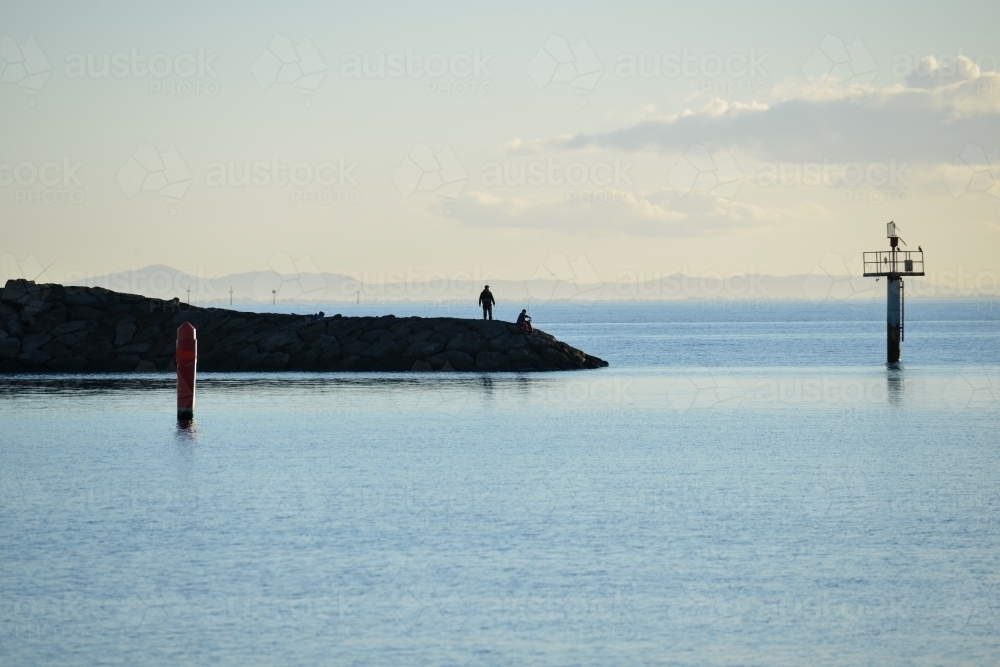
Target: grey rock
247,352
147,335
540,339
312,331
134,348
12,325
490,361
57,350
380,349
124,363
294,349
352,348
86,313
81,298
33,309
421,366
263,331
375,335
277,340
554,356
124,333
422,349
326,341
95,350
400,331
419,336
520,357
68,365
145,366
71,339
345,364
460,361
31,342
304,361
270,361
238,336
507,343
16,289
490,329
70,327
34,358
330,348
10,348
469,342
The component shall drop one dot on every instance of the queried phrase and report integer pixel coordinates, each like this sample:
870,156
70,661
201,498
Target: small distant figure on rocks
524,322
487,301
319,316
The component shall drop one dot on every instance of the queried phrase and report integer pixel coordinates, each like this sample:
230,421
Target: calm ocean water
746,484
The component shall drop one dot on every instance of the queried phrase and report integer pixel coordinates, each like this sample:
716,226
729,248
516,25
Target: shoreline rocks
52,328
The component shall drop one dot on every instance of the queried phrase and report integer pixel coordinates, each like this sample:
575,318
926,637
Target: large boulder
124,333
94,350
34,358
10,347
30,342
470,342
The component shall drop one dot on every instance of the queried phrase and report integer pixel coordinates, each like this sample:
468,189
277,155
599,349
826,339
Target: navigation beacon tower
893,265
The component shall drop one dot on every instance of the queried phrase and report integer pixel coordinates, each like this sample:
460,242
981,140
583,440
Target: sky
499,139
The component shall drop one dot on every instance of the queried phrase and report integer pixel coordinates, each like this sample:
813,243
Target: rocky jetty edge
50,328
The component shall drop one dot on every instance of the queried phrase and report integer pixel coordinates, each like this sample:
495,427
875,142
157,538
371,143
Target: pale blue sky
659,218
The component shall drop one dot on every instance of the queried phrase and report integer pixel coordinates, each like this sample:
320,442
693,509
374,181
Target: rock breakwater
50,328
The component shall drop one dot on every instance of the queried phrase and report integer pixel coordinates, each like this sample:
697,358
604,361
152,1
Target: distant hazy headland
569,282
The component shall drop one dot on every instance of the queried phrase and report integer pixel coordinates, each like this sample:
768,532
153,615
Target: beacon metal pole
893,319
893,265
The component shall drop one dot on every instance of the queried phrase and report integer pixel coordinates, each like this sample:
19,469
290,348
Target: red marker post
187,362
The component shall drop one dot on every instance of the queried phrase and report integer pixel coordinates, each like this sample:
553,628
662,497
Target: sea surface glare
747,483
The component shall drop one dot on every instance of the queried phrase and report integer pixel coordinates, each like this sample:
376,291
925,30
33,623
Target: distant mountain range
311,287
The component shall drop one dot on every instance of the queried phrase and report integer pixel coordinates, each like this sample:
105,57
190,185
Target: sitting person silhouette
524,322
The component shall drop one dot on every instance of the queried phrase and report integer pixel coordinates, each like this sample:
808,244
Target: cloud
659,213
927,123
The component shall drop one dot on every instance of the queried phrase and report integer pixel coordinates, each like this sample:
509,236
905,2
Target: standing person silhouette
487,301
